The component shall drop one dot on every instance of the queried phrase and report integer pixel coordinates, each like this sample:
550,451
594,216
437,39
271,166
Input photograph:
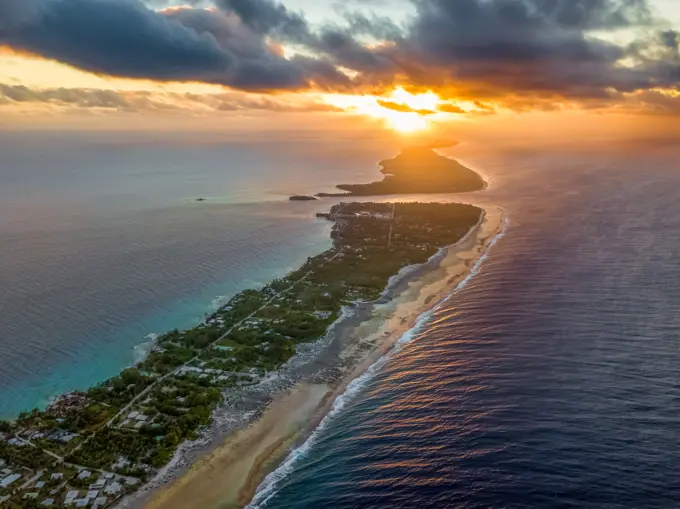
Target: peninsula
418,170
90,448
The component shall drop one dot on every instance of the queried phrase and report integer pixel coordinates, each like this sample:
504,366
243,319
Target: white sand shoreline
324,370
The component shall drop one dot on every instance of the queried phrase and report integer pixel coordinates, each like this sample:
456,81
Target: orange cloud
403,108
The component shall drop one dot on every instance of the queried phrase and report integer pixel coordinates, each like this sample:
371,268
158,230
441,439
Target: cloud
449,108
86,98
134,101
126,38
516,53
521,46
403,108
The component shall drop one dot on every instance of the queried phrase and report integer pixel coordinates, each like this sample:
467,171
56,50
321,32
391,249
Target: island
301,197
418,170
90,448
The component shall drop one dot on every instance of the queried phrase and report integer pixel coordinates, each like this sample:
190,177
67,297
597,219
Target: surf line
268,488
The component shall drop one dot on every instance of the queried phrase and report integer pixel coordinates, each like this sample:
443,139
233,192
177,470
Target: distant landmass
419,170
301,197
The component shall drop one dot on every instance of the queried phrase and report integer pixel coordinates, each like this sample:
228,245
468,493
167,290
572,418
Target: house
40,485
121,462
98,485
71,496
48,502
113,489
57,477
62,436
83,502
139,425
31,496
84,474
92,494
15,442
133,415
100,502
9,480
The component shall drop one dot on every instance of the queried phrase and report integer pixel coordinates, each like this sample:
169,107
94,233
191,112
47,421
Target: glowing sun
401,110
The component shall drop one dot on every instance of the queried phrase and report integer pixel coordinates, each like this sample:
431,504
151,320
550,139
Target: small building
92,494
9,480
100,502
57,476
40,485
72,495
48,502
84,474
83,502
121,462
31,496
133,415
113,489
98,485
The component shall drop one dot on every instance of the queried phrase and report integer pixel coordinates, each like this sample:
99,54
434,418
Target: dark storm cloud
126,38
522,45
269,18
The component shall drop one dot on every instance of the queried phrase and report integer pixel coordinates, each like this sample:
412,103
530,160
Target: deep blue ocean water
102,241
551,380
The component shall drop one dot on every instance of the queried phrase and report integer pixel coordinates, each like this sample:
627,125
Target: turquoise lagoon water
102,242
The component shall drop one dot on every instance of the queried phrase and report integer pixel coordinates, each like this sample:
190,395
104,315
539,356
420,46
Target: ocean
104,244
550,379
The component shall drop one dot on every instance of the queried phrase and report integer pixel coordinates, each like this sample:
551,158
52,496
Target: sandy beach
257,428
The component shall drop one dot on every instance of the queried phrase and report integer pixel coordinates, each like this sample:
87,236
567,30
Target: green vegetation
132,424
419,170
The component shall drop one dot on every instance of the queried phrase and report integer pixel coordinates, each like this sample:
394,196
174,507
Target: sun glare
400,110
404,122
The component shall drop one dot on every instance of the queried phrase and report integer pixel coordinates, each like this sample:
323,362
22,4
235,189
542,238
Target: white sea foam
218,302
269,487
142,350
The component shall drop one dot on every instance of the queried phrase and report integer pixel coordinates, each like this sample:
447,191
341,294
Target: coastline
255,431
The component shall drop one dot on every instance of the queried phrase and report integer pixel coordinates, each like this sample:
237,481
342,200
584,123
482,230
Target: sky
403,65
